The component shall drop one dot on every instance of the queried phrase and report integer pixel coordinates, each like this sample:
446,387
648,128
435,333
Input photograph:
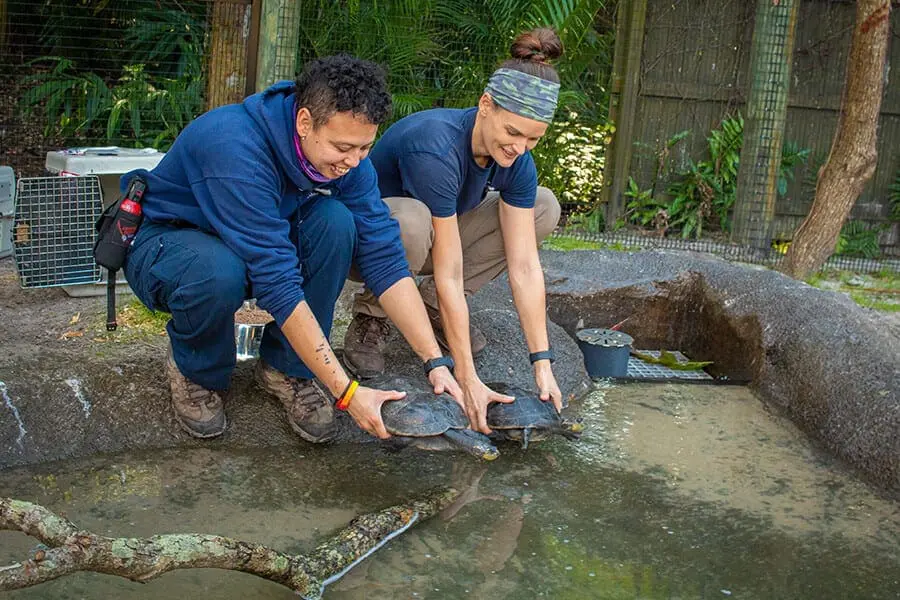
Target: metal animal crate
53,232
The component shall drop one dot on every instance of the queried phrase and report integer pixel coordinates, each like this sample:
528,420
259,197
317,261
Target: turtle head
490,453
571,428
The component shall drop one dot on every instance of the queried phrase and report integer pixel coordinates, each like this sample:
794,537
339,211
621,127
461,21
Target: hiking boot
198,410
309,408
476,338
364,345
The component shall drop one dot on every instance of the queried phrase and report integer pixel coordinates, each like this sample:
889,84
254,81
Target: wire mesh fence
761,154
134,72
130,73
632,241
708,115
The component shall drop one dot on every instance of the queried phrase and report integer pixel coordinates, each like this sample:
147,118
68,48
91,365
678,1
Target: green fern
71,101
858,239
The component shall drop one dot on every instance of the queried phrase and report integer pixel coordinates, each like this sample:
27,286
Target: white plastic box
109,162
7,209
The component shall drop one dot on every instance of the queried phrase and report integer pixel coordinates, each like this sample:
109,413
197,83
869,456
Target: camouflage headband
523,94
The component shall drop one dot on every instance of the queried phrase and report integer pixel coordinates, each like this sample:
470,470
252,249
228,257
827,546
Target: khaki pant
484,257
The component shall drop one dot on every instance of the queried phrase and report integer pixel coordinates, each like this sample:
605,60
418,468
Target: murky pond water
675,491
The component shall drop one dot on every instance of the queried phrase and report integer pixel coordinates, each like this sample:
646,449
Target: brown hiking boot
309,408
364,345
476,338
198,410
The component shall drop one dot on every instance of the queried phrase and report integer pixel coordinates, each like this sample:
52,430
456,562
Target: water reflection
674,491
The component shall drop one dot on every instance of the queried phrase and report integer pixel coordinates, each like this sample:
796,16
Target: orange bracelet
344,401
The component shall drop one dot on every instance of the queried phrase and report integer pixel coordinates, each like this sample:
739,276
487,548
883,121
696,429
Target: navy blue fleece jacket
233,172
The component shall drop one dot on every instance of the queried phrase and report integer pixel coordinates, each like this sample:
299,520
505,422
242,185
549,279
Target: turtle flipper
526,433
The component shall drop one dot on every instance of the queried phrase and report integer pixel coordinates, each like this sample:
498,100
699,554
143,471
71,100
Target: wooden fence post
278,37
771,57
624,92
230,23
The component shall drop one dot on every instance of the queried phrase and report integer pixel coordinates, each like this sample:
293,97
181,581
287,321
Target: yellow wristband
344,401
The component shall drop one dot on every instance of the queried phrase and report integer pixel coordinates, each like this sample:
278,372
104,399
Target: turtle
528,418
433,422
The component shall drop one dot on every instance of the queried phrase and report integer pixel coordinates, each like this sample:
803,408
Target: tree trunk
853,156
140,559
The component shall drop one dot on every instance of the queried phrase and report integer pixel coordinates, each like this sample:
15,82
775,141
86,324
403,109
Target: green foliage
153,92
133,108
398,35
792,155
643,209
442,52
591,219
858,239
566,243
71,100
703,194
570,159
877,291
170,42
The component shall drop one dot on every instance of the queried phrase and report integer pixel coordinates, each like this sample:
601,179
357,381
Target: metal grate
53,232
640,370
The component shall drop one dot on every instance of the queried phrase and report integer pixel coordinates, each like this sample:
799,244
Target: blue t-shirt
428,156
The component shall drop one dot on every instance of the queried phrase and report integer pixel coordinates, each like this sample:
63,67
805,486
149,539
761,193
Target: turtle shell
422,414
527,411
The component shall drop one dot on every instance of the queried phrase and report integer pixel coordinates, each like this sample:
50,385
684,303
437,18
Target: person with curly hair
463,186
273,199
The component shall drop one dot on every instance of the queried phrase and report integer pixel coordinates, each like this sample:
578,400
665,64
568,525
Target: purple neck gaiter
306,166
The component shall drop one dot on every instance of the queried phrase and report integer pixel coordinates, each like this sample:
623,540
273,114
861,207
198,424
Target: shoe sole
197,434
356,371
306,436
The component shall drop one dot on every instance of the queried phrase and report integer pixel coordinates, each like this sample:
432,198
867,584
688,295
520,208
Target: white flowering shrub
570,160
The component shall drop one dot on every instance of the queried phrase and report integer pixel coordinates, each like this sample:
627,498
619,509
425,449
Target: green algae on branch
140,559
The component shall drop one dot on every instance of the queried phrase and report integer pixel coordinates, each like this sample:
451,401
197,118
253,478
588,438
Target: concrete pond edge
815,356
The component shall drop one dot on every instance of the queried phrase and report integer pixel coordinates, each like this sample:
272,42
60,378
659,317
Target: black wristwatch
545,355
440,361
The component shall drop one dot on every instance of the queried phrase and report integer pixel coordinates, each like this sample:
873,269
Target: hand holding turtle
477,397
365,409
547,387
442,381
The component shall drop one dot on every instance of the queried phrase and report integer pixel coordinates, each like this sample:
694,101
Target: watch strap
543,355
440,361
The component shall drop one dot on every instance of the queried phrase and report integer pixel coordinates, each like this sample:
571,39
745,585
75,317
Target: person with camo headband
463,186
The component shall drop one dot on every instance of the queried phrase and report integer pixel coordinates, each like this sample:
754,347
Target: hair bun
539,45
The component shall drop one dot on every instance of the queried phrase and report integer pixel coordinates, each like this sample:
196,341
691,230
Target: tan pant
484,257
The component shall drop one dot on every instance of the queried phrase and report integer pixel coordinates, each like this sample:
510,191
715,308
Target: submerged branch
141,559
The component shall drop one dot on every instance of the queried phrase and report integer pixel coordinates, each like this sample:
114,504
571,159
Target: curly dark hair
343,83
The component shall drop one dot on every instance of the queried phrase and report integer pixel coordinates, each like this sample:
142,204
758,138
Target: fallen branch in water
140,559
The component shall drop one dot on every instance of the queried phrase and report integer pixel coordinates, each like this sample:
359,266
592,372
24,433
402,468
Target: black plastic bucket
605,351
